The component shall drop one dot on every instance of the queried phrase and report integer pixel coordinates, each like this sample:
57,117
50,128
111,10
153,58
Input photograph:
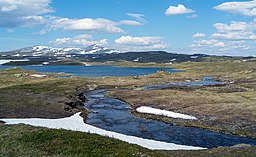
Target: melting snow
136,60
45,63
150,110
76,123
37,75
4,61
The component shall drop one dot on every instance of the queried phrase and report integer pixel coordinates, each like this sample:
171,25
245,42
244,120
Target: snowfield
150,110
4,61
76,123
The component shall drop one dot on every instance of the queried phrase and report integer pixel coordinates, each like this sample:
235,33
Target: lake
93,71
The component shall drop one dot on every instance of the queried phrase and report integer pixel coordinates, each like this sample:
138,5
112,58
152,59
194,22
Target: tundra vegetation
227,108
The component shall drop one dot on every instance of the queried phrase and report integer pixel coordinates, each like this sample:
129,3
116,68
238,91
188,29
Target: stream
115,115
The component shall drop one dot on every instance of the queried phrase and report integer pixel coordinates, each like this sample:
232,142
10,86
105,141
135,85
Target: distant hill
143,57
95,53
50,51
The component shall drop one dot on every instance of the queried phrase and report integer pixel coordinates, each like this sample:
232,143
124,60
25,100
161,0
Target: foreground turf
23,140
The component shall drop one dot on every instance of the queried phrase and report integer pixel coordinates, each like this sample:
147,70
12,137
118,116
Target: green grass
24,140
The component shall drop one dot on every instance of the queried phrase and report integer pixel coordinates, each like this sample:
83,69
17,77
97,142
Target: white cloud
30,13
217,47
235,31
180,9
98,25
247,8
138,17
10,30
131,23
235,35
9,8
83,36
129,43
192,16
207,43
89,25
199,35
234,26
229,39
15,13
81,40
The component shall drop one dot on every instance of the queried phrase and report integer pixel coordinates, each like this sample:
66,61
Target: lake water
93,71
206,81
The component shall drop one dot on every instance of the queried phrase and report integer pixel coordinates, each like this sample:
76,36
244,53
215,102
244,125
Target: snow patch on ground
38,75
4,61
136,60
76,123
87,64
150,110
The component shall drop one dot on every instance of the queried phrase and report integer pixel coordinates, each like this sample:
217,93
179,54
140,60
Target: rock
67,108
75,104
136,77
82,97
92,87
84,113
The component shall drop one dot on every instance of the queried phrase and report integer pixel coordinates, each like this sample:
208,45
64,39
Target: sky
217,27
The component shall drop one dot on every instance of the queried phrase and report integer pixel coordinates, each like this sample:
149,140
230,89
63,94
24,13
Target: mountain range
50,51
95,53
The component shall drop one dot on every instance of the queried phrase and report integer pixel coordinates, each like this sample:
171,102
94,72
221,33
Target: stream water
115,115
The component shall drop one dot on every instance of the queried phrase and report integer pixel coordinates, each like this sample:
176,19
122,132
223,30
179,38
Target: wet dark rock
76,101
67,108
82,97
75,104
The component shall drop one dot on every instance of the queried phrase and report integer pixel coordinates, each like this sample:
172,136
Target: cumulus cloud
31,13
199,35
140,43
247,8
217,47
235,35
98,25
235,31
230,39
81,40
234,26
15,13
180,9
207,43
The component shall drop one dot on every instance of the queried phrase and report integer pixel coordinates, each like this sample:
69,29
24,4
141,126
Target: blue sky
181,26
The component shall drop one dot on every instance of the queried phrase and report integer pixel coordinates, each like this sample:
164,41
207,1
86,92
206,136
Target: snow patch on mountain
51,51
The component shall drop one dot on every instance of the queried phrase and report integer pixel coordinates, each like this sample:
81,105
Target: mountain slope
50,51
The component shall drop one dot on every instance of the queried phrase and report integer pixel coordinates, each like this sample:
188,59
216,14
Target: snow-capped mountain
50,51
